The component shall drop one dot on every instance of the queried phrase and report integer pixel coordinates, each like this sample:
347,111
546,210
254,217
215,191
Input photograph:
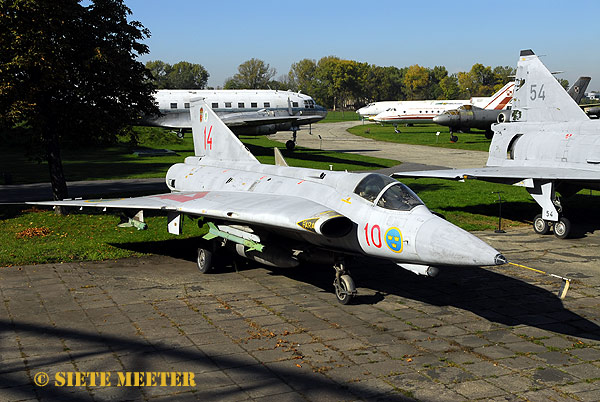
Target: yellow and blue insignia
393,239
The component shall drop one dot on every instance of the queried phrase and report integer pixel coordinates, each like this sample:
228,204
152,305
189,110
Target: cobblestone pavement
260,334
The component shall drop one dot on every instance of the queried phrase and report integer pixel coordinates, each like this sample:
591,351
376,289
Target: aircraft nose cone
442,119
440,242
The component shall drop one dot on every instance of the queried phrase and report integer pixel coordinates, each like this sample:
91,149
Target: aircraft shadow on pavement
495,297
90,345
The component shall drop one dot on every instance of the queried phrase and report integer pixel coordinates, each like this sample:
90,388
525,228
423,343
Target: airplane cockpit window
294,104
396,196
308,104
370,187
399,198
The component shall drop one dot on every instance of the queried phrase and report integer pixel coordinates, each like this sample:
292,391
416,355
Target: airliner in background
244,111
411,112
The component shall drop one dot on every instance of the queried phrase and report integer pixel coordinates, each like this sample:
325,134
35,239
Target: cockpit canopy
387,192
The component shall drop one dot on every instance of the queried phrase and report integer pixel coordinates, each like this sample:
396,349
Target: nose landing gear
343,284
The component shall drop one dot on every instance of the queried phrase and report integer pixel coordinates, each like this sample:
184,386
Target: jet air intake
329,224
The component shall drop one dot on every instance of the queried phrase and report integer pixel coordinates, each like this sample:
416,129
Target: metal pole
499,230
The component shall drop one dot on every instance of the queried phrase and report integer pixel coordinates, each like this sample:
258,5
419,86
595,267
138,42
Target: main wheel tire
346,289
562,228
453,138
290,145
204,260
180,134
540,226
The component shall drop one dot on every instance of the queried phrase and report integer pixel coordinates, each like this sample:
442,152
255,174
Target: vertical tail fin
577,90
500,99
539,96
212,138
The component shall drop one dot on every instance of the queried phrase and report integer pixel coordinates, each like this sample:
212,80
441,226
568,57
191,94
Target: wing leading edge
506,174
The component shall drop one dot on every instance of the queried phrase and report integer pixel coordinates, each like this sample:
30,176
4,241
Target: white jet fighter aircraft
279,215
546,143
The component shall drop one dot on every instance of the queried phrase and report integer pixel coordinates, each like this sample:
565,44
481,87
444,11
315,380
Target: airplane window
399,198
253,104
267,104
186,105
241,105
215,105
227,104
294,104
370,187
174,105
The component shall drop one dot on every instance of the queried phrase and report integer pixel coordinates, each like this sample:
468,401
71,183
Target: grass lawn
334,116
119,161
423,134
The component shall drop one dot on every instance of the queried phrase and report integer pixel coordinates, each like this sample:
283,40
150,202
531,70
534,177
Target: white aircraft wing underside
508,174
286,212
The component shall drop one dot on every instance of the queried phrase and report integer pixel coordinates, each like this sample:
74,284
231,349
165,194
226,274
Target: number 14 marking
208,139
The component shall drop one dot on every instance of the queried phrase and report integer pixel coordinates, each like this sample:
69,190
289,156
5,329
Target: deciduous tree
70,73
252,74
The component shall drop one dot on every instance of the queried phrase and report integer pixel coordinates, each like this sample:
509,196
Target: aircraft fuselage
414,235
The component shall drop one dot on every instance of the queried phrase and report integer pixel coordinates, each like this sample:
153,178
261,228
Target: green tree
160,71
416,81
252,74
503,75
449,87
384,83
182,75
302,76
70,73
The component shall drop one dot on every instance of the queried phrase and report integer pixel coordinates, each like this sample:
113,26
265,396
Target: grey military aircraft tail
281,216
467,117
546,144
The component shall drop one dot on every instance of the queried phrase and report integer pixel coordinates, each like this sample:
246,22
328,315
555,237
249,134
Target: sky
221,35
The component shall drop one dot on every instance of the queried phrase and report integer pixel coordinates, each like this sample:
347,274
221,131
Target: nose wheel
343,284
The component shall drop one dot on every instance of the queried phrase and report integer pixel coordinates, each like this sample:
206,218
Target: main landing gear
291,144
561,228
343,284
543,193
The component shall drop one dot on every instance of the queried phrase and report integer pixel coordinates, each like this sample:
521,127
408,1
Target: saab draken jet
280,215
244,111
546,144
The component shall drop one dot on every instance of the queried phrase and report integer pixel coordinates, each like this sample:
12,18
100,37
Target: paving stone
478,389
551,375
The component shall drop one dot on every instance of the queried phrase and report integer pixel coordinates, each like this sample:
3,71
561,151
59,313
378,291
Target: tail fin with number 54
538,96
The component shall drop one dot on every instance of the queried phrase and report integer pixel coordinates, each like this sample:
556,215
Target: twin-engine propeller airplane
281,216
546,144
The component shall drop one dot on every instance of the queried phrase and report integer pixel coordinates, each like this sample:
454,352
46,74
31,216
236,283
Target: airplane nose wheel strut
343,284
